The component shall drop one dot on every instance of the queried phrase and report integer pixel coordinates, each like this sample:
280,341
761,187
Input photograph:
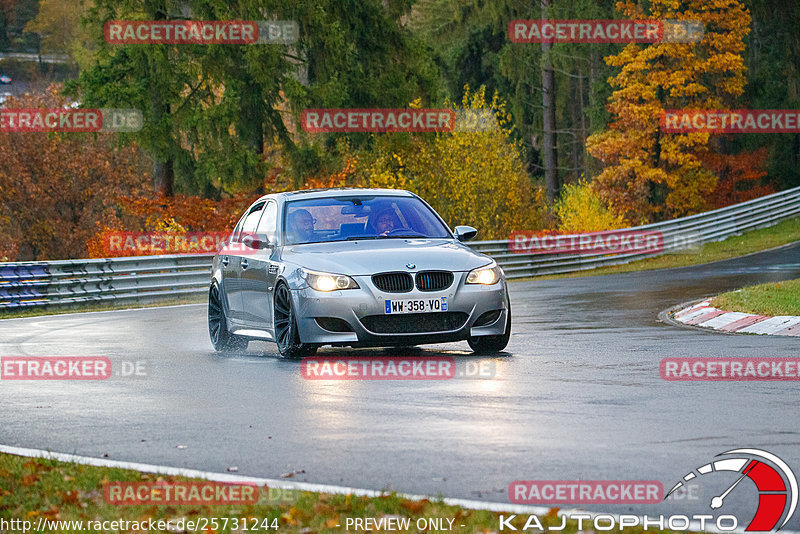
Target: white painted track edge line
308,486
271,483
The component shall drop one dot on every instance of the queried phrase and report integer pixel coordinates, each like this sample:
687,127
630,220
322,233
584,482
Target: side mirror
255,242
465,233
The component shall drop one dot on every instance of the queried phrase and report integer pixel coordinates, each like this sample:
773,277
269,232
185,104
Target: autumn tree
55,188
740,176
773,72
649,174
58,25
580,209
14,14
471,45
150,78
476,177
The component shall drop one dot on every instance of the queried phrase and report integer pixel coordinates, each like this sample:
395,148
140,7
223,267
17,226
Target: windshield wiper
405,236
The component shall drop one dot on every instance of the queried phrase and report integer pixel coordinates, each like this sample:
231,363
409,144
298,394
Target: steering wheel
406,230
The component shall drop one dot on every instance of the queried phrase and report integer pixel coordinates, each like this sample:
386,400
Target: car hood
367,257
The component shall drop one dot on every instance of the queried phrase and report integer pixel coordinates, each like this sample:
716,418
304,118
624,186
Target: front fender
291,275
216,272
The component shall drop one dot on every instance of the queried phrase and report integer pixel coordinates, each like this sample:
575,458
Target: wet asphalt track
577,396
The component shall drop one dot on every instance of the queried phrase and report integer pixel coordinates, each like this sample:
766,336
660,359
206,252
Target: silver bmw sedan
353,267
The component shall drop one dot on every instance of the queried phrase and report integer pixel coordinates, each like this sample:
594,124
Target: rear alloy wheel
487,344
286,334
218,325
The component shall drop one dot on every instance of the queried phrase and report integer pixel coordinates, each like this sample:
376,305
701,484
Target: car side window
251,220
268,225
237,230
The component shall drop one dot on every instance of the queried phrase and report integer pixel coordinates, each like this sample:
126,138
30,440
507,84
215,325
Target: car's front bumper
363,311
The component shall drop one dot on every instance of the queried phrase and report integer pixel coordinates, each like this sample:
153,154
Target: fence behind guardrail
145,279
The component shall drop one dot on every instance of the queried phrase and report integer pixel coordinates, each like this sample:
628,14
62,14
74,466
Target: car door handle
244,264
225,261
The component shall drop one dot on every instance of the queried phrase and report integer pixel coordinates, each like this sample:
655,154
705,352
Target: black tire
221,338
287,336
487,344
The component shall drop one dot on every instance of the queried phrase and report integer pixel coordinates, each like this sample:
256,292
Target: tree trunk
582,133
163,167
164,177
578,125
549,118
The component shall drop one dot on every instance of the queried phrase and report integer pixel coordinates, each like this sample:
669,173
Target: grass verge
774,298
75,308
784,232
37,489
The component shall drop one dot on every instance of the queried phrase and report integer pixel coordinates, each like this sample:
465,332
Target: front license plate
424,305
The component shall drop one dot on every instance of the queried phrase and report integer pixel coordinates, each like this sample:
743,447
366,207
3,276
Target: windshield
360,217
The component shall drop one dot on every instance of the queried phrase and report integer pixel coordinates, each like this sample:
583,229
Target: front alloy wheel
286,335
218,324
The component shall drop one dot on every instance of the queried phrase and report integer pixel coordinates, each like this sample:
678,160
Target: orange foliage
740,176
640,159
54,187
338,179
168,215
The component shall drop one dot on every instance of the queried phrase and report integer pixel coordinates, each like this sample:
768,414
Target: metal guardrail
145,279
679,234
139,279
27,56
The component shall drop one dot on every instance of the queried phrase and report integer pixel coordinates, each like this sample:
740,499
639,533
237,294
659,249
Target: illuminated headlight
488,275
329,282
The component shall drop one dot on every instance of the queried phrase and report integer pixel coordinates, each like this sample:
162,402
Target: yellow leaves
470,177
581,210
290,517
170,226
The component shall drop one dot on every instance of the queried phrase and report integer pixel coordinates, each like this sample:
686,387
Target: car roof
337,192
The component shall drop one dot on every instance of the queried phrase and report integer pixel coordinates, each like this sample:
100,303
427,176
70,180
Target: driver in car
384,222
302,226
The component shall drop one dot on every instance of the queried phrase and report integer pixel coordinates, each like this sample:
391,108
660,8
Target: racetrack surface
577,395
